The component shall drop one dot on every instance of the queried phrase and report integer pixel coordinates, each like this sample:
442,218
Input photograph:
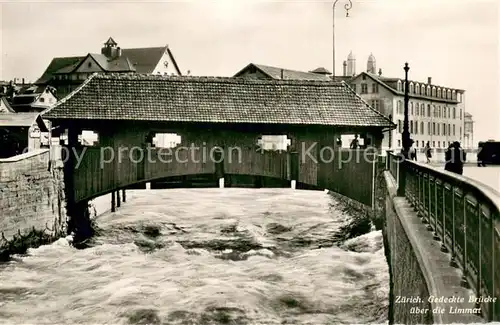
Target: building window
449,129
375,88
399,143
411,126
416,127
439,144
423,145
433,144
439,92
42,99
417,109
429,128
433,91
400,107
454,112
417,89
460,133
399,85
411,108
353,87
400,126
453,129
433,128
428,92
364,88
411,88
416,143
89,64
460,113
375,104
422,108
438,129
444,144
444,128
429,110
364,77
421,127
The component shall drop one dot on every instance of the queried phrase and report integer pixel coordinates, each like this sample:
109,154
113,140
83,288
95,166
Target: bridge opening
354,141
88,138
165,140
274,142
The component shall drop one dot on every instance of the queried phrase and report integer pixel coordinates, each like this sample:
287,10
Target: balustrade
464,216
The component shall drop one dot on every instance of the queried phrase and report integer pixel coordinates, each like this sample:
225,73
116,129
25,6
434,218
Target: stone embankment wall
420,274
31,195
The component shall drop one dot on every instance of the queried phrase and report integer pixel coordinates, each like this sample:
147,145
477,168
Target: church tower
351,64
371,65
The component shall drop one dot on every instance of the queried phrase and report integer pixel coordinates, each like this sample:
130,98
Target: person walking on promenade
455,158
413,152
355,142
427,152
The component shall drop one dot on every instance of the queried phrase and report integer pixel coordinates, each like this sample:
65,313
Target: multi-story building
65,74
469,131
436,113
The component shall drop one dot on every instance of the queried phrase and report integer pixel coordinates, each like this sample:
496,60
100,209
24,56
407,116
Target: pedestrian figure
480,157
413,153
355,142
427,152
455,158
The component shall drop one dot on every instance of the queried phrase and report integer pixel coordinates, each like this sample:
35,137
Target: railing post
435,234
464,281
443,224
480,260
401,178
118,203
294,168
453,261
124,196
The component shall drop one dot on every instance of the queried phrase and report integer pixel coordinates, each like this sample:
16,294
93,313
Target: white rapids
205,256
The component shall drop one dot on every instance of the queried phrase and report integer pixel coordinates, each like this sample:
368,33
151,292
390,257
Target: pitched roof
57,64
391,85
216,100
141,60
5,103
321,70
20,119
275,73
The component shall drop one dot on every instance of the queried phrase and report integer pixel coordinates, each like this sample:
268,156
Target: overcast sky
453,41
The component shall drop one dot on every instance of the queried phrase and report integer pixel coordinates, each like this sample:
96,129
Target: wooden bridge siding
91,179
354,179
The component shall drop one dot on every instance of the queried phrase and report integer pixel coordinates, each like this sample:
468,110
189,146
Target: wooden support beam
118,203
124,196
113,206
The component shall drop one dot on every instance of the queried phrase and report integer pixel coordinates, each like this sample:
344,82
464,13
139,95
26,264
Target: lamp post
347,7
407,142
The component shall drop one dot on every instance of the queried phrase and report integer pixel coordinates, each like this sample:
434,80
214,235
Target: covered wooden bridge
219,124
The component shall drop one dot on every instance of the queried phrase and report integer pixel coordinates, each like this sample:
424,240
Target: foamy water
205,256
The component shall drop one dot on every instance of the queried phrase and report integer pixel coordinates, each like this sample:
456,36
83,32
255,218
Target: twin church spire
350,65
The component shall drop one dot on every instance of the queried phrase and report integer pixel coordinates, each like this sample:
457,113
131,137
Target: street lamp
347,7
407,142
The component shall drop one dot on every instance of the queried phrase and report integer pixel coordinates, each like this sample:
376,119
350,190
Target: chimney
23,81
281,74
380,72
429,80
118,52
345,68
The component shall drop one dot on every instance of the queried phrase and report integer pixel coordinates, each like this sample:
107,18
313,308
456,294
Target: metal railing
465,216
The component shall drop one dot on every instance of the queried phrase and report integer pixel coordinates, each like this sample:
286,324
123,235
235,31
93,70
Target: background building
469,131
65,74
436,113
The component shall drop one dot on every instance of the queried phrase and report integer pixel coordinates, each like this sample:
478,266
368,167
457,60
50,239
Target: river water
205,256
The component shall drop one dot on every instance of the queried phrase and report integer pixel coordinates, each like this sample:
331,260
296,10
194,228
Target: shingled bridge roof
216,100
